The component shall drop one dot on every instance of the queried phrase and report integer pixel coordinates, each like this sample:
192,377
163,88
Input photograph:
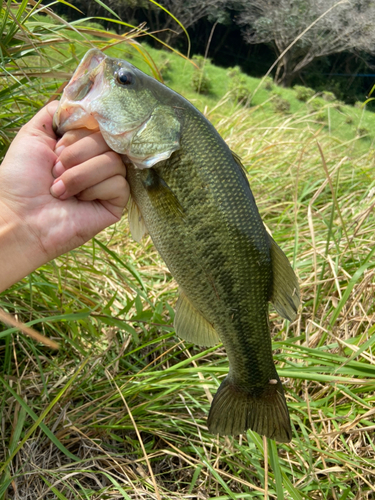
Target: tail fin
234,410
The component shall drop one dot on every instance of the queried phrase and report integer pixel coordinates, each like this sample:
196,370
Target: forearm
20,253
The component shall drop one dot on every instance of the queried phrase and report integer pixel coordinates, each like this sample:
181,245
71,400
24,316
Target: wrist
20,253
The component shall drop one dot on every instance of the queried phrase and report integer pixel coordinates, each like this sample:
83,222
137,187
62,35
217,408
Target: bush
280,104
362,131
321,116
317,104
201,83
237,84
268,83
200,61
328,96
304,93
165,66
234,72
338,105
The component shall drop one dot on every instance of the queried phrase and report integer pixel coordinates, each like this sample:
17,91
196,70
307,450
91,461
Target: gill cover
113,96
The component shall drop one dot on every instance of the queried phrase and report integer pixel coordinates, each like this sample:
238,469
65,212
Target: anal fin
191,326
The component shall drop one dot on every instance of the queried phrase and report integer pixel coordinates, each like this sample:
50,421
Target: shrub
237,84
362,131
200,82
268,83
304,93
280,104
328,96
165,66
317,104
321,116
338,105
200,61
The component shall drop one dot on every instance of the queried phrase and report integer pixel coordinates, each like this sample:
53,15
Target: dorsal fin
238,160
285,294
191,326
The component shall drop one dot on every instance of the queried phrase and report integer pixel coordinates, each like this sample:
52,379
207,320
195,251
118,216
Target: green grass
120,410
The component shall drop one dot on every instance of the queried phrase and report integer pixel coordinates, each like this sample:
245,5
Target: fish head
125,104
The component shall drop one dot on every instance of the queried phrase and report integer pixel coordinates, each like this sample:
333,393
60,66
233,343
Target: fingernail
58,169
58,150
58,188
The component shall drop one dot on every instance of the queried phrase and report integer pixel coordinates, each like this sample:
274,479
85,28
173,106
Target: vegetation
312,28
331,42
119,411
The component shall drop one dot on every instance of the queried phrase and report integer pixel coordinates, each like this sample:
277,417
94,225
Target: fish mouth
72,111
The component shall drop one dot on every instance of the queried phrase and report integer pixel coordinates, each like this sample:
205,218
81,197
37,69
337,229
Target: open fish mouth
129,117
86,81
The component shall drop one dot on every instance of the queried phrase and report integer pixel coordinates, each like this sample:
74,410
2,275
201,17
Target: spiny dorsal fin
136,222
191,326
238,160
285,294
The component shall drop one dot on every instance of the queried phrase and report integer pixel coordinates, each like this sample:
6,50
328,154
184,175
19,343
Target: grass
120,410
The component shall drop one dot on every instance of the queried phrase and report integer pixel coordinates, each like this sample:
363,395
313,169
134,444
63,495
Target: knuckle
73,180
69,157
85,194
121,182
112,156
68,138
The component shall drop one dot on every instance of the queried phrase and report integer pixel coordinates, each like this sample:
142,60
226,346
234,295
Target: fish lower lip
55,125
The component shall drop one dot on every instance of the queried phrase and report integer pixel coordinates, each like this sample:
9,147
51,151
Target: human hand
42,217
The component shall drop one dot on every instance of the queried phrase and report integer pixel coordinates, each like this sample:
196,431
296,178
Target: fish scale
191,194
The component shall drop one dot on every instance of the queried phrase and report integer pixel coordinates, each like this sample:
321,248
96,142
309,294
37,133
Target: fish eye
124,77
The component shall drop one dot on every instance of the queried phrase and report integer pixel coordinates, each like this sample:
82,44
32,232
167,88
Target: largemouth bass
191,193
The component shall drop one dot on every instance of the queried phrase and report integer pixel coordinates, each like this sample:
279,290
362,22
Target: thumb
41,123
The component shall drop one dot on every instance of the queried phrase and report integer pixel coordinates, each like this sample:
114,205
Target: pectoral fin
191,326
136,223
285,294
161,196
156,139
